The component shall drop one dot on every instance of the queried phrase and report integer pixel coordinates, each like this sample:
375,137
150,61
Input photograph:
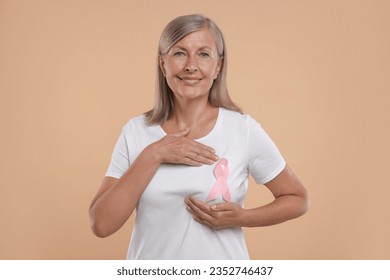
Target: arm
291,201
116,199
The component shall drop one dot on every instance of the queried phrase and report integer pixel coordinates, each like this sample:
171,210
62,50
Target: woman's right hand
178,149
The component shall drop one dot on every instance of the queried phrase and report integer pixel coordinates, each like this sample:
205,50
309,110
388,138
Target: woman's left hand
216,216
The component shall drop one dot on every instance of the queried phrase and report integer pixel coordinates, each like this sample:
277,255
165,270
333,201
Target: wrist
152,153
245,220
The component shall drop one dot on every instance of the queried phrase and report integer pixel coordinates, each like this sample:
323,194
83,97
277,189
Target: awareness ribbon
221,172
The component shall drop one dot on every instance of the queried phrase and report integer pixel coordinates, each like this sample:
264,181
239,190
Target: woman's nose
191,68
191,65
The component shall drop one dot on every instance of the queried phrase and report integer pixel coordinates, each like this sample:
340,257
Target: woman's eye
179,54
204,54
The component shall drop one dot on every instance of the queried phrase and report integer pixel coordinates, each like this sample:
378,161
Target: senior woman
184,165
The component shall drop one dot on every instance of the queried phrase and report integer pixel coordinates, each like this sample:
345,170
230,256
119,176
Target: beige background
314,73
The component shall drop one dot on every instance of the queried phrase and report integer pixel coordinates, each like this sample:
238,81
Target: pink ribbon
221,172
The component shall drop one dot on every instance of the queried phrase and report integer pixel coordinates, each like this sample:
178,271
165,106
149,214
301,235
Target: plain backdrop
315,74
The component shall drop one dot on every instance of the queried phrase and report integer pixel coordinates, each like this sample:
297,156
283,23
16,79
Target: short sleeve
265,160
120,161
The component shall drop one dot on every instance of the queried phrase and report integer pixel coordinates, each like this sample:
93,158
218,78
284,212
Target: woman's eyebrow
205,47
178,47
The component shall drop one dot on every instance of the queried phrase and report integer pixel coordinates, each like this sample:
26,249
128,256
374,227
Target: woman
184,165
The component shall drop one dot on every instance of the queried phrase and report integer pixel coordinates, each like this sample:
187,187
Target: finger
204,158
191,207
201,152
202,148
209,222
201,213
223,206
191,200
204,222
190,161
176,148
199,207
193,150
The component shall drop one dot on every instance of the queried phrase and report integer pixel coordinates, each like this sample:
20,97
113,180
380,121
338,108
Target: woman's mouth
189,80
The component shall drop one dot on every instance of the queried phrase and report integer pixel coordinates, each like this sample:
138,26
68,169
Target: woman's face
191,65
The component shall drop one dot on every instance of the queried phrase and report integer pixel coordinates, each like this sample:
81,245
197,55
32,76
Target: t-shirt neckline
212,131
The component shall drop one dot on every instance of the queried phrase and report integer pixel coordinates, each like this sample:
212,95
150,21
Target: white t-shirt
164,229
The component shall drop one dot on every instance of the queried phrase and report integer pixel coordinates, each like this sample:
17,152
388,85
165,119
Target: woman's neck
199,116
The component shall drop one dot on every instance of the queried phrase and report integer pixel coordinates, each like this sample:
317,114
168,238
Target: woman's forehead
200,39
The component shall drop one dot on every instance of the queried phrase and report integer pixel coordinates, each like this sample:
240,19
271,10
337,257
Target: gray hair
176,30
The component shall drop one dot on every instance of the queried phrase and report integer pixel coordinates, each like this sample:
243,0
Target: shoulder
136,123
236,118
137,130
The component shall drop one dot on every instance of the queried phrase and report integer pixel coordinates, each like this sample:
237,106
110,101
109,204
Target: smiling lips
189,80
